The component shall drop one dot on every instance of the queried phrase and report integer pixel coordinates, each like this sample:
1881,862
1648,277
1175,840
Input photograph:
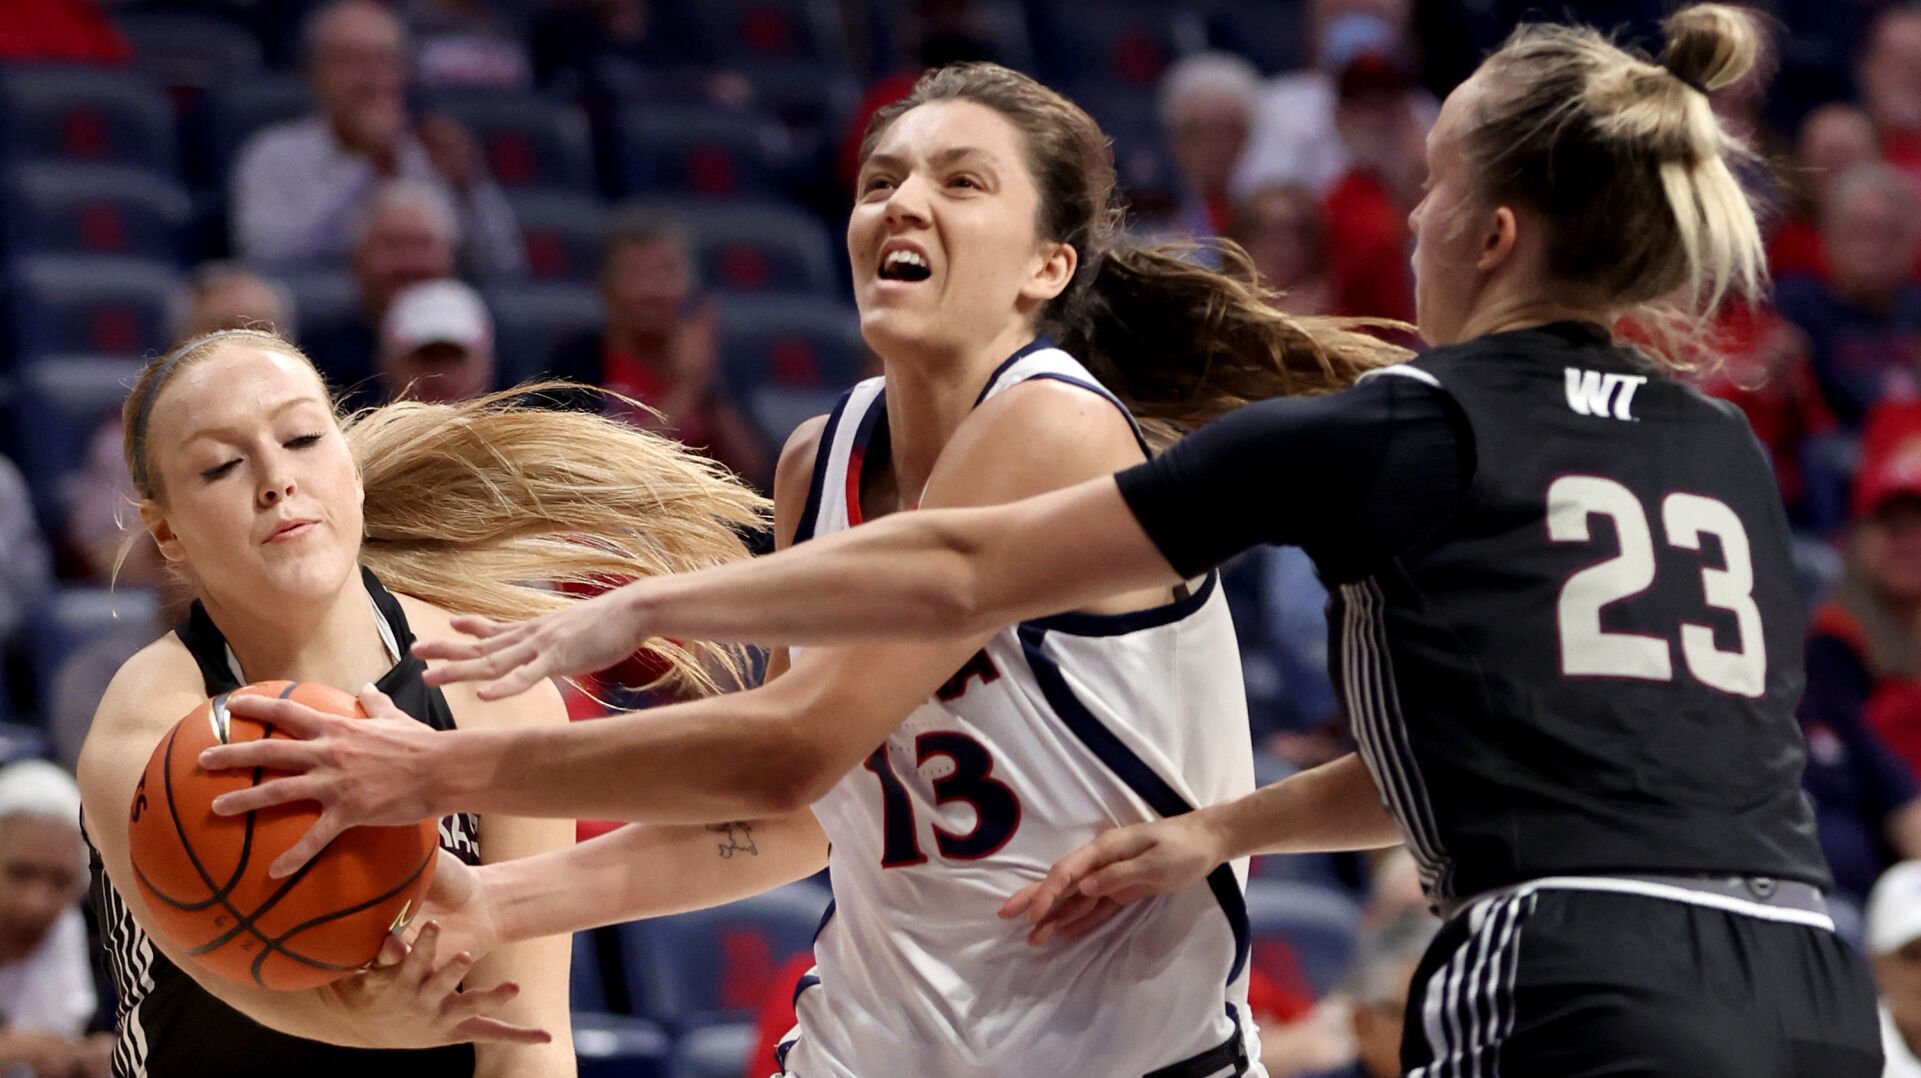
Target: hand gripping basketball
361,772
204,875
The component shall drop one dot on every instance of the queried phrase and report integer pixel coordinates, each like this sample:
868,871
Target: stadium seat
63,401
813,99
718,1051
1002,25
57,112
528,140
1129,41
18,742
1316,924
98,304
189,50
587,982
563,232
232,112
321,297
796,342
1131,118
72,616
697,969
1272,34
610,1046
703,151
732,32
533,318
755,246
60,207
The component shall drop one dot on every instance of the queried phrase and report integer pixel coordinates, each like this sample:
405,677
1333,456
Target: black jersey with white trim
166,1025
1586,661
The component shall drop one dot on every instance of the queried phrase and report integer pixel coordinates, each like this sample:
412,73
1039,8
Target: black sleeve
1354,478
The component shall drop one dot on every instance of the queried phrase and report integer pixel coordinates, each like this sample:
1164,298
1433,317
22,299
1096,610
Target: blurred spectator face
1833,139
1891,548
1894,941
646,284
1281,228
437,344
1890,72
404,244
231,299
1331,49
1206,138
1869,230
1374,114
41,876
358,70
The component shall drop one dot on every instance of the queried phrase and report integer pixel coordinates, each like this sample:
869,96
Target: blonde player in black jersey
1564,619
289,524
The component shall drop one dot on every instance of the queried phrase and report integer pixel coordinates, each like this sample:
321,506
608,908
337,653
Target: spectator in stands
1865,796
938,32
406,235
227,295
1376,100
1384,962
1295,138
1763,369
60,31
437,344
1889,75
1206,104
26,572
297,186
466,43
1286,236
1864,322
1834,138
658,346
1894,950
1867,636
47,996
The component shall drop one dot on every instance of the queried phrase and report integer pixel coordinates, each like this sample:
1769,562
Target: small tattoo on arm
736,838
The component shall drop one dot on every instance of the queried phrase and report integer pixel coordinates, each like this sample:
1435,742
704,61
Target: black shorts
1581,984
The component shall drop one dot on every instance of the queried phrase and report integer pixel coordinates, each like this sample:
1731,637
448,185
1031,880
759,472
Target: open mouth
904,266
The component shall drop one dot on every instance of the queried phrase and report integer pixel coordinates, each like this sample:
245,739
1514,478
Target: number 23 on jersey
1588,650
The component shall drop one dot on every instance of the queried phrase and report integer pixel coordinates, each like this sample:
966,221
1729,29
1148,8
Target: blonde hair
1178,342
483,505
1626,162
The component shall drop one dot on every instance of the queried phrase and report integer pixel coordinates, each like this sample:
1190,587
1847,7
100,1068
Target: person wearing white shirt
46,984
1894,948
298,186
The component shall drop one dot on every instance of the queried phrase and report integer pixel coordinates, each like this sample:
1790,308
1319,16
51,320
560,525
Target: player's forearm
647,870
1329,808
928,574
739,756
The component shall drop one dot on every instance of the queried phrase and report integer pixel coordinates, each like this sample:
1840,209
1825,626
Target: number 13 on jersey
1589,650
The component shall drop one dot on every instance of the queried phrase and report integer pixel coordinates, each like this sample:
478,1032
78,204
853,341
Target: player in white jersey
948,775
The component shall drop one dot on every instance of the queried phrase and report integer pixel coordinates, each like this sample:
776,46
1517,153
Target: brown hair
1626,162
1178,342
481,506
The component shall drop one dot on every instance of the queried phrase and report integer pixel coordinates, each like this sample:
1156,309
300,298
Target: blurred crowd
441,198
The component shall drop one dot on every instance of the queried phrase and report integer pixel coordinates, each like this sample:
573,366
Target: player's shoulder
162,670
541,703
1046,418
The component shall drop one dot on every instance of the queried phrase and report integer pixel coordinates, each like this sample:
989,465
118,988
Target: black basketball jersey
166,1024
1593,667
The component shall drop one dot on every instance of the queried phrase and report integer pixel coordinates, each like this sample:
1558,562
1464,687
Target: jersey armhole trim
1080,623
823,453
1402,370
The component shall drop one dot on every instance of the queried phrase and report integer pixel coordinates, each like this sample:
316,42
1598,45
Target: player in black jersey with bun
1564,615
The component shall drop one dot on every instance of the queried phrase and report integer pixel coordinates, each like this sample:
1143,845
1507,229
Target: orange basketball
204,877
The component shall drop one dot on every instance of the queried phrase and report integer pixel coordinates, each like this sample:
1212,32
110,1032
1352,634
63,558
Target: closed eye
219,470
305,441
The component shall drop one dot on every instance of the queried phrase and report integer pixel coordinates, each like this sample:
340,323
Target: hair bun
1710,45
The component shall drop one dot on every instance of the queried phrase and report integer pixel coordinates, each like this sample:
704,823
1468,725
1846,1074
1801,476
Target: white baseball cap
1894,909
437,312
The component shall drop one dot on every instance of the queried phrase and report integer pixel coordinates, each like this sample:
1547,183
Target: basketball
205,878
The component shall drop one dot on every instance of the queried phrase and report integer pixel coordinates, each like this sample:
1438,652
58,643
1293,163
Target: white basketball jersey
1057,730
